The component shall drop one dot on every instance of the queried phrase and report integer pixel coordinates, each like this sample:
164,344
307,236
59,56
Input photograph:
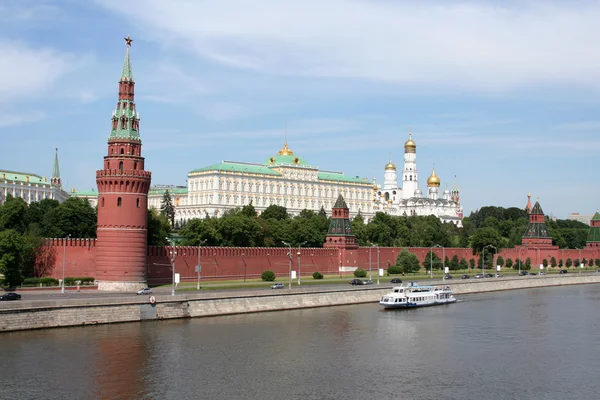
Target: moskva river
528,344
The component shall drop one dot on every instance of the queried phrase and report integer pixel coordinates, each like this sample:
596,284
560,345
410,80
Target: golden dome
285,151
390,166
410,143
433,180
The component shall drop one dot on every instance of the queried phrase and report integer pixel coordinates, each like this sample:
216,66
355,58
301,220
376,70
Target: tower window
137,203
119,202
135,165
122,151
121,166
103,202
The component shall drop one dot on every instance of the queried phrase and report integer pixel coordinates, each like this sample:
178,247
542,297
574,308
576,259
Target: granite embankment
39,314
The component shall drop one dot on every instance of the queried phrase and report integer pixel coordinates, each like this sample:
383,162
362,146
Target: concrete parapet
24,315
110,286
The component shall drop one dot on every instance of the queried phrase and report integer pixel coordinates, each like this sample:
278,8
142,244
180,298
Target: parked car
277,286
478,276
356,281
523,273
489,275
563,271
448,276
499,275
145,291
10,296
396,280
543,273
465,276
533,273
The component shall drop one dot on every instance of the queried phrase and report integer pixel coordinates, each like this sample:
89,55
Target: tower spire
127,74
55,180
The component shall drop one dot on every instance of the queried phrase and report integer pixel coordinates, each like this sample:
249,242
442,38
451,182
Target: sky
504,95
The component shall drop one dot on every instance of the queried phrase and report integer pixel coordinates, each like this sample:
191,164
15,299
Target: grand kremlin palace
285,179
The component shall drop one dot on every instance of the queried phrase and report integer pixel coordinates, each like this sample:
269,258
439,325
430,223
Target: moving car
277,286
478,276
523,273
465,276
563,271
448,276
356,281
10,296
396,280
145,291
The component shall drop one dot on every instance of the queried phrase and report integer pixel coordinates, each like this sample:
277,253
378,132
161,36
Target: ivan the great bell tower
123,187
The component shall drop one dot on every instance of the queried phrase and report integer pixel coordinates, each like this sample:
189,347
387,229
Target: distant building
32,187
585,218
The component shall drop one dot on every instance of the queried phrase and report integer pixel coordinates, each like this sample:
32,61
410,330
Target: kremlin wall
119,259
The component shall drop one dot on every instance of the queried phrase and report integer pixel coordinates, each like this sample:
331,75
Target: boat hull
388,306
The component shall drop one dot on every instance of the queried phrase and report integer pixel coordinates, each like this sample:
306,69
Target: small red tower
340,236
123,187
537,232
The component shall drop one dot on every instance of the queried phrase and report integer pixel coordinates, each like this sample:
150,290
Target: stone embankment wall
40,314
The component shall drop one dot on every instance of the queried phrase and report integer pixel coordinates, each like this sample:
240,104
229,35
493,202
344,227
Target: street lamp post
299,246
290,265
62,283
244,261
173,255
377,264
198,267
370,264
580,260
443,260
431,262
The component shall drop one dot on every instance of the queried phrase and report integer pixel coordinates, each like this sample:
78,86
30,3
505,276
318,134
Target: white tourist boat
415,295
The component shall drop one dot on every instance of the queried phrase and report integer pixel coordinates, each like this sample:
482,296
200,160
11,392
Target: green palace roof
340,177
239,167
83,193
23,177
171,190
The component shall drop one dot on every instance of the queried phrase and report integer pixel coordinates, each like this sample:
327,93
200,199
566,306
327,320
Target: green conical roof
594,233
537,209
56,170
340,202
596,216
127,74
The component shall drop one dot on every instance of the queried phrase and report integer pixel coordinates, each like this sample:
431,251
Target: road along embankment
39,314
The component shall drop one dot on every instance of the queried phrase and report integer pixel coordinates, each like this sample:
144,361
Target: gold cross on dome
128,40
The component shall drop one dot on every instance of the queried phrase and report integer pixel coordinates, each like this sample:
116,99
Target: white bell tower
410,176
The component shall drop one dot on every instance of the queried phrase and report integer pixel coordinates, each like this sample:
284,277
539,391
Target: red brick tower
340,236
123,187
537,232
593,240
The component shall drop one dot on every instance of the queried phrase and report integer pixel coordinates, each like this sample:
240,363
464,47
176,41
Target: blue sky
503,95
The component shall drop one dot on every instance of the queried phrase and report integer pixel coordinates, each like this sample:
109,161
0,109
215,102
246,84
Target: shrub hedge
268,276
360,273
317,275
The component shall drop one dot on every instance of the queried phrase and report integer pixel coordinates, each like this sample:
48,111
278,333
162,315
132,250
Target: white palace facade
287,180
32,187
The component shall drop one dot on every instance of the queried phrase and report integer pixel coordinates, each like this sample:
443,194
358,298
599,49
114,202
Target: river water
528,344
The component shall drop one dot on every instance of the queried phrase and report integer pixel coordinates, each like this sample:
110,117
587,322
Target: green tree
553,262
447,262
12,214
250,212
509,263
487,238
407,261
527,264
591,262
500,261
545,263
159,228
432,260
472,263
568,263
276,212
560,263
12,251
167,208
518,264
577,263
454,263
463,264
597,261
75,217
584,262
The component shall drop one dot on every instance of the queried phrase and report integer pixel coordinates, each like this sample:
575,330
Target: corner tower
123,187
339,236
410,177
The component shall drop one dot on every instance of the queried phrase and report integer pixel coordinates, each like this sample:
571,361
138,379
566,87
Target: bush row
47,281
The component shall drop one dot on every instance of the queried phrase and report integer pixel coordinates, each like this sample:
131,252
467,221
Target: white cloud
466,45
12,119
28,72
